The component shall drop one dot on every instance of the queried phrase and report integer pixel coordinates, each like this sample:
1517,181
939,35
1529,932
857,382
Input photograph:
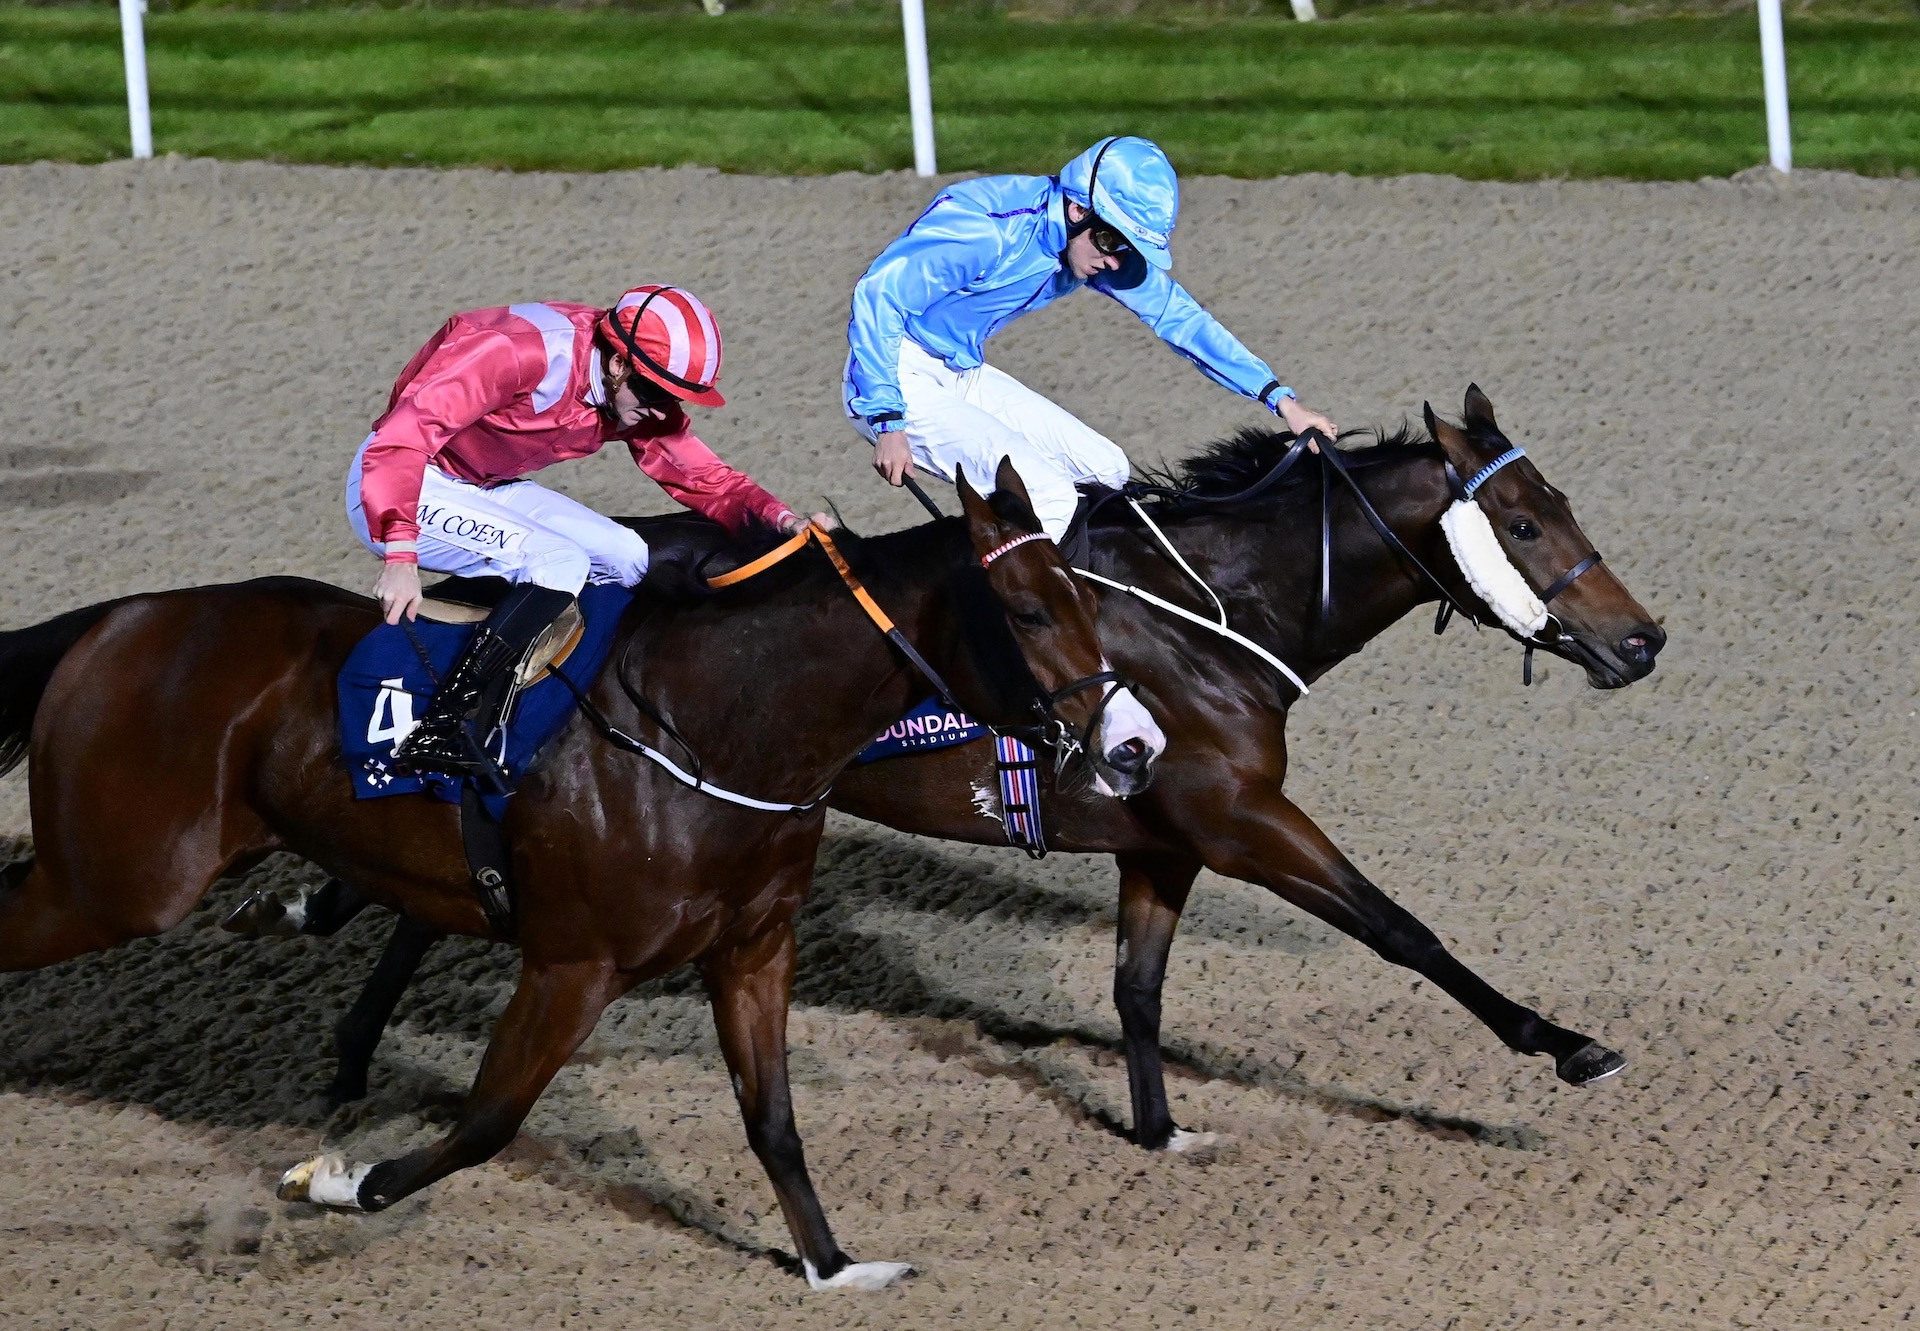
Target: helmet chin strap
609,412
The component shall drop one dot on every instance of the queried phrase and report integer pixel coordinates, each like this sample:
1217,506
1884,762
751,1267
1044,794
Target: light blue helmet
1131,185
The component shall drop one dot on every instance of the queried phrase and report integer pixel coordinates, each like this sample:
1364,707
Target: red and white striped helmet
671,338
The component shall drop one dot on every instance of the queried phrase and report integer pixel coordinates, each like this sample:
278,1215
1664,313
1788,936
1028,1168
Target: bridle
1463,492
1052,731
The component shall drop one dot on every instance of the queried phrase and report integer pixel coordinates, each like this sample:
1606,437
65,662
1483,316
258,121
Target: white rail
913,19
133,45
1773,73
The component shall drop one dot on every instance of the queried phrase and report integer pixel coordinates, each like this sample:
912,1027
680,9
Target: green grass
1486,97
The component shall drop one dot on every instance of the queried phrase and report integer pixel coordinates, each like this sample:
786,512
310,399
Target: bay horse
180,737
1302,570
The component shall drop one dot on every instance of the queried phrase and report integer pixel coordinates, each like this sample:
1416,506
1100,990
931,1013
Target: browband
1487,473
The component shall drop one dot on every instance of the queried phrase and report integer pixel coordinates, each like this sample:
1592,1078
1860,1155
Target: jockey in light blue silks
989,250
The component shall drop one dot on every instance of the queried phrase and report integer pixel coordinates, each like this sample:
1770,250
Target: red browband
997,551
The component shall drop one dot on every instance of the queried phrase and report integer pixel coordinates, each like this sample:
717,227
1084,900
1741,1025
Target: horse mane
1232,465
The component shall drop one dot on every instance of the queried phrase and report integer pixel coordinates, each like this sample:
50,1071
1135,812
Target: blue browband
1486,473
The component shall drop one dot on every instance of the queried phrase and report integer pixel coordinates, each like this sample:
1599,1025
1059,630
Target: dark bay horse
180,737
1217,801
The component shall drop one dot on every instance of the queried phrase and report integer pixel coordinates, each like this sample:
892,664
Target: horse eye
1522,529
1031,619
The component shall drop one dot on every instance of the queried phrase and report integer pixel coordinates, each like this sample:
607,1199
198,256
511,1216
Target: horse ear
1011,500
1480,410
971,504
1452,440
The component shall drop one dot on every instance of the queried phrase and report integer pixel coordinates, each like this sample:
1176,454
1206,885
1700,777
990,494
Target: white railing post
913,19
1773,71
133,45
1303,11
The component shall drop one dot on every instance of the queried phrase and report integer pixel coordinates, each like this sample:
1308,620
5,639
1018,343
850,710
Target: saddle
471,600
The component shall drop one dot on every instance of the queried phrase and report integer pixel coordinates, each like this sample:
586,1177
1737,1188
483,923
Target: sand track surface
1712,870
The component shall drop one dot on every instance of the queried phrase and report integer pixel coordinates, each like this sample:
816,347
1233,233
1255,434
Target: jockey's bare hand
399,591
890,456
1300,419
793,522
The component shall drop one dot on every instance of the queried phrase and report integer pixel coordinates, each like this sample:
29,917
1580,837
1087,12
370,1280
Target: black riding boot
452,736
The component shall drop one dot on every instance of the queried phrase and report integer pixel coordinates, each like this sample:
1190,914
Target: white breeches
517,530
970,419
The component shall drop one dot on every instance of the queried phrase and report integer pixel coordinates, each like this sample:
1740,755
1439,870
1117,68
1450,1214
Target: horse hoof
1198,1145
263,915
859,1275
1589,1063
339,1095
325,1181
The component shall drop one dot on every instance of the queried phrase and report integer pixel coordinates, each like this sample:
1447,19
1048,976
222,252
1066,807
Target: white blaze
1125,720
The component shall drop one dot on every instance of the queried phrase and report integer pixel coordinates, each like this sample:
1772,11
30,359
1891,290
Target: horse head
1527,560
1052,617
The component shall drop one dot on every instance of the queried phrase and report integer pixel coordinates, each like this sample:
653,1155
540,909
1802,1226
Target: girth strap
486,849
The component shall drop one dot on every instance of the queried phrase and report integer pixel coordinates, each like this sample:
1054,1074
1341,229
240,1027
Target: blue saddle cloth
931,725
384,689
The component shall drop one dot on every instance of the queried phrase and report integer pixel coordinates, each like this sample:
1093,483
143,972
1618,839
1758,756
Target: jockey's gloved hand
1300,419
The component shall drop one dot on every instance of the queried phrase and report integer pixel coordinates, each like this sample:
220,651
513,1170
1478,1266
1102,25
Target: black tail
27,661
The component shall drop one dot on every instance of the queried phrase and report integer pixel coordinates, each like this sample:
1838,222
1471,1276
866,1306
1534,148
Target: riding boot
452,736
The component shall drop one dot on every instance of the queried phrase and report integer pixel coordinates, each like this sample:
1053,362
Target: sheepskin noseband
1484,563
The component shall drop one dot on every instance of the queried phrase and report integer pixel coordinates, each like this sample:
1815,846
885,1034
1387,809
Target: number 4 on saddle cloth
385,686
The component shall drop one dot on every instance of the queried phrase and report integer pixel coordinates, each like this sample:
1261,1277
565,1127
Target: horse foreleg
1153,892
357,1034
750,987
551,1012
1266,839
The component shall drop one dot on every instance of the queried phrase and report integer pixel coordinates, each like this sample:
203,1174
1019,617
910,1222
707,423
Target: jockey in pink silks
496,395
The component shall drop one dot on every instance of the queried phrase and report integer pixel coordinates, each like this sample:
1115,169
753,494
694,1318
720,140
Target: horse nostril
1129,757
1641,648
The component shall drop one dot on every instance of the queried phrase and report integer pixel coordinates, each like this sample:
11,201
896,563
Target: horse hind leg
319,913
357,1034
42,922
86,891
553,1009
